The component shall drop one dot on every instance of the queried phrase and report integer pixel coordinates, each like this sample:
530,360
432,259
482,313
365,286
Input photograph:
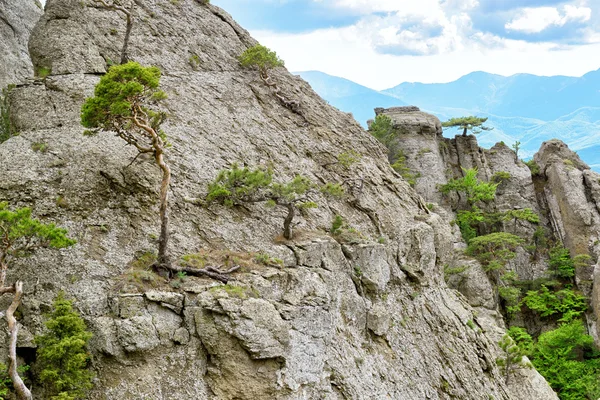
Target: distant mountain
523,107
349,96
521,95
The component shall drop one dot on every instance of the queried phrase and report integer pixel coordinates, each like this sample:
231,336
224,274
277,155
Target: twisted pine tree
20,236
264,60
123,103
62,353
471,123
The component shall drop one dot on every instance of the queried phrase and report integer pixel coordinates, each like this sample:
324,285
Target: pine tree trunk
287,223
22,392
124,56
163,241
465,133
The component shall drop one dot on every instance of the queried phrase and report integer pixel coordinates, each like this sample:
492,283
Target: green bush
5,382
533,167
522,339
560,263
237,186
569,361
261,57
474,189
565,303
496,247
62,355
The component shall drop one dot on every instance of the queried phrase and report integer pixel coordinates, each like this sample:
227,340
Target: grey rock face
17,19
311,329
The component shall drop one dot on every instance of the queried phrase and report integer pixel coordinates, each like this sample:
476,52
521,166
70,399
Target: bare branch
211,272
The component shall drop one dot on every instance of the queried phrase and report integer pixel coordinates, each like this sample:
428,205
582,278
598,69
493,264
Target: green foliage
516,147
500,177
6,385
533,167
560,263
62,354
348,158
568,360
343,232
525,214
498,246
43,72
565,303
261,57
512,356
472,124
124,92
400,167
522,339
237,186
21,234
467,222
265,259
474,189
382,129
582,261
336,225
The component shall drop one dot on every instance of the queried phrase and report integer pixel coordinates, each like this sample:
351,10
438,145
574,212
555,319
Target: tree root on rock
211,272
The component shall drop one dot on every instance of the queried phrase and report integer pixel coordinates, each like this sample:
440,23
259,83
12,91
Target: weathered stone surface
17,19
299,332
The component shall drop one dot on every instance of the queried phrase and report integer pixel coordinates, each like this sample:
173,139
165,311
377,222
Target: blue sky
380,43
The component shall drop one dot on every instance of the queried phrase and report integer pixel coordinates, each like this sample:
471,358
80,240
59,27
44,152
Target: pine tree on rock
62,353
468,124
20,236
122,103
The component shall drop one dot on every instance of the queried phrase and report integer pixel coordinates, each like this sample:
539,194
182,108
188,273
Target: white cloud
535,20
346,52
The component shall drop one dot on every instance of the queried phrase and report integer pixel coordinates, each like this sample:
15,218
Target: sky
381,43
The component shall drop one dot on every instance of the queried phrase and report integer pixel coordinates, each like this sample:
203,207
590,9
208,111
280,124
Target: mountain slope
349,96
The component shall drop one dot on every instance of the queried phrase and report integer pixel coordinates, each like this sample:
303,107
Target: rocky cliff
563,191
17,19
360,319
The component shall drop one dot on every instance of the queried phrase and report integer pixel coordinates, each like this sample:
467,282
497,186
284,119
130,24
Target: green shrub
499,247
474,189
512,357
261,57
500,177
61,354
569,361
560,263
522,339
533,167
6,385
237,186
565,303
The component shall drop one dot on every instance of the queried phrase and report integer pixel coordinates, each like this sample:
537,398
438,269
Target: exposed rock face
358,321
17,19
572,193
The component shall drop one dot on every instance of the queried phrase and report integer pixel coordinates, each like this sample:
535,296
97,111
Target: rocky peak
369,317
17,19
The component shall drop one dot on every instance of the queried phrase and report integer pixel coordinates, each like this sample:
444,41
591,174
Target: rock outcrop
17,19
362,320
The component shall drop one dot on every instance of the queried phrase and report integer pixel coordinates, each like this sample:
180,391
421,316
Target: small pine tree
62,354
261,57
241,185
474,189
467,124
122,103
20,236
512,357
